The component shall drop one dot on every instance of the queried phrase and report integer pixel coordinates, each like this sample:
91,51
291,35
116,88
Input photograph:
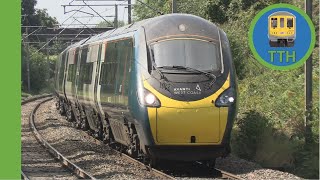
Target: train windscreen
198,54
274,22
290,22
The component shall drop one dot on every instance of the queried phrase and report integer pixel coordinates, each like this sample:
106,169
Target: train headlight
226,98
146,98
150,99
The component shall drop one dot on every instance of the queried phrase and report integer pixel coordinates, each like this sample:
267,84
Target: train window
109,67
124,65
84,54
111,52
281,22
198,54
103,74
115,70
86,73
274,22
93,55
61,71
70,73
290,22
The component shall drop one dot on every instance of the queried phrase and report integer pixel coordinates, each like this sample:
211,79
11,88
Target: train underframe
281,43
105,131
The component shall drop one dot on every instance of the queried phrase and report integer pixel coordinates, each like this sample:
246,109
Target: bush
249,133
41,72
307,161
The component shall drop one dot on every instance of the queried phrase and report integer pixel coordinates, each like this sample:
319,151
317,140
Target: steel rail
24,176
227,175
81,173
154,171
34,98
56,154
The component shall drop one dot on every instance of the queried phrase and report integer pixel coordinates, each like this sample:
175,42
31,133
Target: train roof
281,13
161,26
168,25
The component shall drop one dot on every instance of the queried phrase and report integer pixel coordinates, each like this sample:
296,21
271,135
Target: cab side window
274,22
290,22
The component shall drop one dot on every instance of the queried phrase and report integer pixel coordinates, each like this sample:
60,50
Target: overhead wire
96,12
153,8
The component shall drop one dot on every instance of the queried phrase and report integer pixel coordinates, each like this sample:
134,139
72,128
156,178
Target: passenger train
161,88
282,29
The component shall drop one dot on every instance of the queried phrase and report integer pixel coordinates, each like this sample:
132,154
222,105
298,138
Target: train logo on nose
198,87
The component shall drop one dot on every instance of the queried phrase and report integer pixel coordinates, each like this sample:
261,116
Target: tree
149,9
39,68
28,12
105,24
35,17
44,19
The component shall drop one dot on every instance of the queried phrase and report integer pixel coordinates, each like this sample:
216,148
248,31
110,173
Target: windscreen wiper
154,66
165,81
158,71
210,75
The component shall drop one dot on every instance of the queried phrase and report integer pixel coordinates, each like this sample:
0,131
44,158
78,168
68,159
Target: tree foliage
105,24
35,17
41,70
44,19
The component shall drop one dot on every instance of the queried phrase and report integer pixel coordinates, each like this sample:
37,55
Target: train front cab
194,126
281,29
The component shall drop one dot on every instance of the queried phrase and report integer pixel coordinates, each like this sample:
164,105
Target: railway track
80,173
226,175
218,173
154,171
42,152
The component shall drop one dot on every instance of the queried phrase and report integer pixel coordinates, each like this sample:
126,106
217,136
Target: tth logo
281,37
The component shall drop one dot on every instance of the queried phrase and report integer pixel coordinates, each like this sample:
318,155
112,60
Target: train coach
161,88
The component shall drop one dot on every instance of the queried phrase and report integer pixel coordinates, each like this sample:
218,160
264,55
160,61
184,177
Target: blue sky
56,10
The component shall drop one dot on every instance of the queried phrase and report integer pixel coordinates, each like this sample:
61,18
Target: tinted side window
109,67
290,22
126,65
83,59
274,22
86,71
71,72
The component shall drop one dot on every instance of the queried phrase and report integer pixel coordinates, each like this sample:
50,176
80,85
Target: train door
86,79
64,73
56,73
108,76
70,73
81,74
74,87
125,49
60,74
97,69
100,74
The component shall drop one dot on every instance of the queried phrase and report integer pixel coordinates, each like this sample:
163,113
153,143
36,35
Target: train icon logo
281,37
281,29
